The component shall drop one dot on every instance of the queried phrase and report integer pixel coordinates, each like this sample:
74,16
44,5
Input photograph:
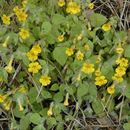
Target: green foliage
97,19
126,126
58,65
59,55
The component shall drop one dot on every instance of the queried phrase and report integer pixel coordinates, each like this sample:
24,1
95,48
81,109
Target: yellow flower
45,80
91,5
36,49
22,16
78,77
69,51
20,13
73,8
118,60
6,19
34,67
6,42
60,38
22,89
7,105
123,62
61,3
111,89
87,68
20,105
106,27
24,34
9,67
66,103
32,56
50,111
86,47
120,70
16,9
119,50
117,77
98,60
24,3
98,72
2,98
79,55
79,37
100,80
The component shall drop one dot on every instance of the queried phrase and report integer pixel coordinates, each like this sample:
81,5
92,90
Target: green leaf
127,51
20,54
24,123
70,89
59,55
82,90
18,113
58,97
120,36
58,19
97,19
107,70
32,94
92,91
127,91
51,122
97,106
35,118
2,30
36,32
60,126
46,27
76,29
3,74
54,87
46,94
39,127
126,126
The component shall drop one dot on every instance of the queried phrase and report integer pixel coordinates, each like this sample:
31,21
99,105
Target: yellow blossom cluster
91,5
121,69
106,26
6,19
34,66
32,55
111,89
60,38
50,110
79,55
87,68
45,80
72,7
5,101
69,51
9,67
24,33
61,3
66,102
119,49
20,13
100,79
34,52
